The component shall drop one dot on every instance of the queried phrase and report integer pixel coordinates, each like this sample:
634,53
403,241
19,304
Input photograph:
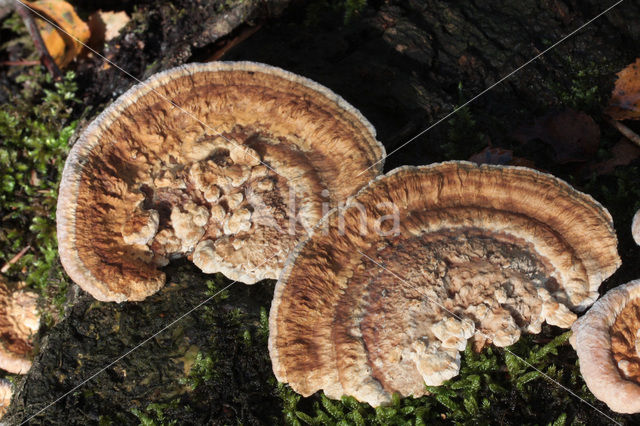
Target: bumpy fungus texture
503,249
233,190
19,321
607,340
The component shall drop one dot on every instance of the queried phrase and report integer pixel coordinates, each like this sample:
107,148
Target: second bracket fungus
6,392
228,164
19,322
388,290
607,340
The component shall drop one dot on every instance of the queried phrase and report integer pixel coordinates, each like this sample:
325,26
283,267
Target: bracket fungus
6,392
227,164
607,341
388,289
19,321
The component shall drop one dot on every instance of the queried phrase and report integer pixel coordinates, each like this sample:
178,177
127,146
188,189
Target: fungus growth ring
607,341
502,248
227,164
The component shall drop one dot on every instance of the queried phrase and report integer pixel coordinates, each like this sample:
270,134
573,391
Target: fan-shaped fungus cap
607,340
635,227
226,163
19,321
5,396
386,291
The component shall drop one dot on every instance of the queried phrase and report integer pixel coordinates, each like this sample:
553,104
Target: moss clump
154,414
35,128
620,194
232,365
590,85
494,384
327,11
353,8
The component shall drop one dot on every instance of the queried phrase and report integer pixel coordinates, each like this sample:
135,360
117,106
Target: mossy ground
213,366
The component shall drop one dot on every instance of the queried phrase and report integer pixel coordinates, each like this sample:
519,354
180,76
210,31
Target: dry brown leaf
573,135
623,153
495,155
625,98
492,155
105,26
62,47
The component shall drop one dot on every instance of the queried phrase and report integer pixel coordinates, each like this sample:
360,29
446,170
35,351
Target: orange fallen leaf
62,47
625,98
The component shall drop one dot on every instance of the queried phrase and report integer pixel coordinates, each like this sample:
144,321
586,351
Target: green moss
353,8
105,421
232,365
325,11
619,192
590,86
494,384
154,414
463,139
35,127
216,285
21,39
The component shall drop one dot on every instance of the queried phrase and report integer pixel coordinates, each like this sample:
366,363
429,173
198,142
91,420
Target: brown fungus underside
625,341
228,164
607,341
369,305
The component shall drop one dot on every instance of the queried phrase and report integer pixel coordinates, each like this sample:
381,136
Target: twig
228,44
14,259
627,132
23,62
45,56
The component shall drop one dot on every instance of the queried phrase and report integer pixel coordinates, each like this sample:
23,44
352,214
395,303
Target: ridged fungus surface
607,340
388,290
228,164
